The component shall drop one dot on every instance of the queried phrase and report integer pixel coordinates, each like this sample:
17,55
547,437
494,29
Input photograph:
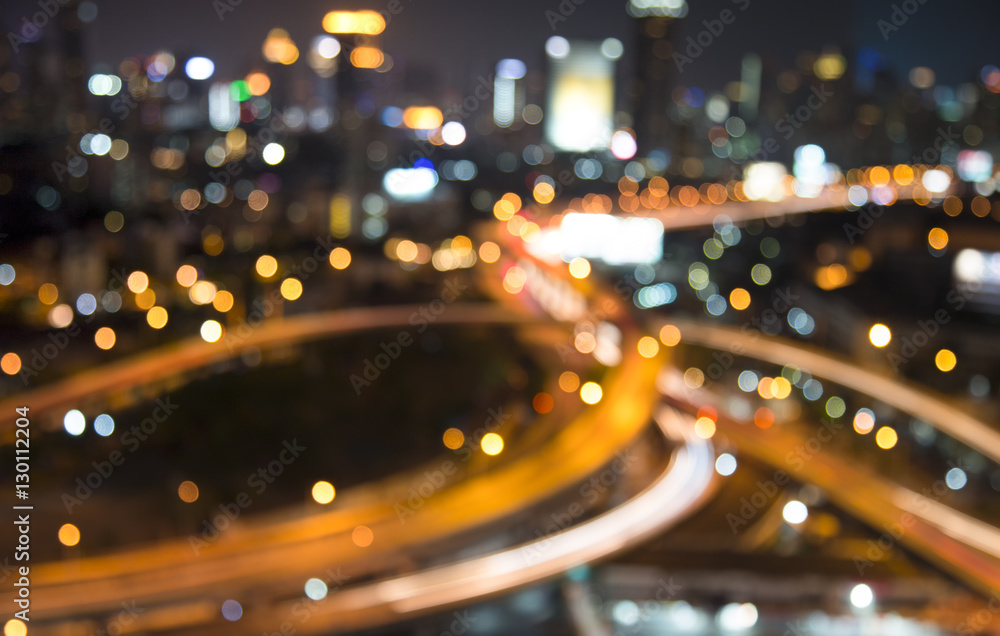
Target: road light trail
674,494
193,353
917,401
282,555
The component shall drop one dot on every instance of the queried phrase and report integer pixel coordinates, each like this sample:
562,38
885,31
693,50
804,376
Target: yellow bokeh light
739,298
267,266
781,388
829,66
138,282
945,360
223,301
530,232
453,438
902,174
291,288
492,444
503,210
340,258
513,199
48,293
186,275
69,535
280,48
514,279
362,536
422,117
585,342
764,388
105,338
10,363
952,206
886,437
879,335
569,381
670,335
579,267
188,492
648,347
15,627
406,250
543,193
157,317
937,238
323,492
704,428
878,176
145,299
489,252
258,83
211,331
515,224
363,22
591,392
202,292
213,244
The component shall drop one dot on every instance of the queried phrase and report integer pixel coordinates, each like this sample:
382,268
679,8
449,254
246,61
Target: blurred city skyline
441,35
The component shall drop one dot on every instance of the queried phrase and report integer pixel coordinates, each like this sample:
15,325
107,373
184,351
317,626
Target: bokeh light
362,536
323,492
188,492
69,535
453,438
105,338
879,335
266,266
886,437
492,444
591,392
945,360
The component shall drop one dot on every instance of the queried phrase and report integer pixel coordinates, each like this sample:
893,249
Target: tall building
657,70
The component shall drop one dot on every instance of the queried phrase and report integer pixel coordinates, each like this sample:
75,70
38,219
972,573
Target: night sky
460,39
